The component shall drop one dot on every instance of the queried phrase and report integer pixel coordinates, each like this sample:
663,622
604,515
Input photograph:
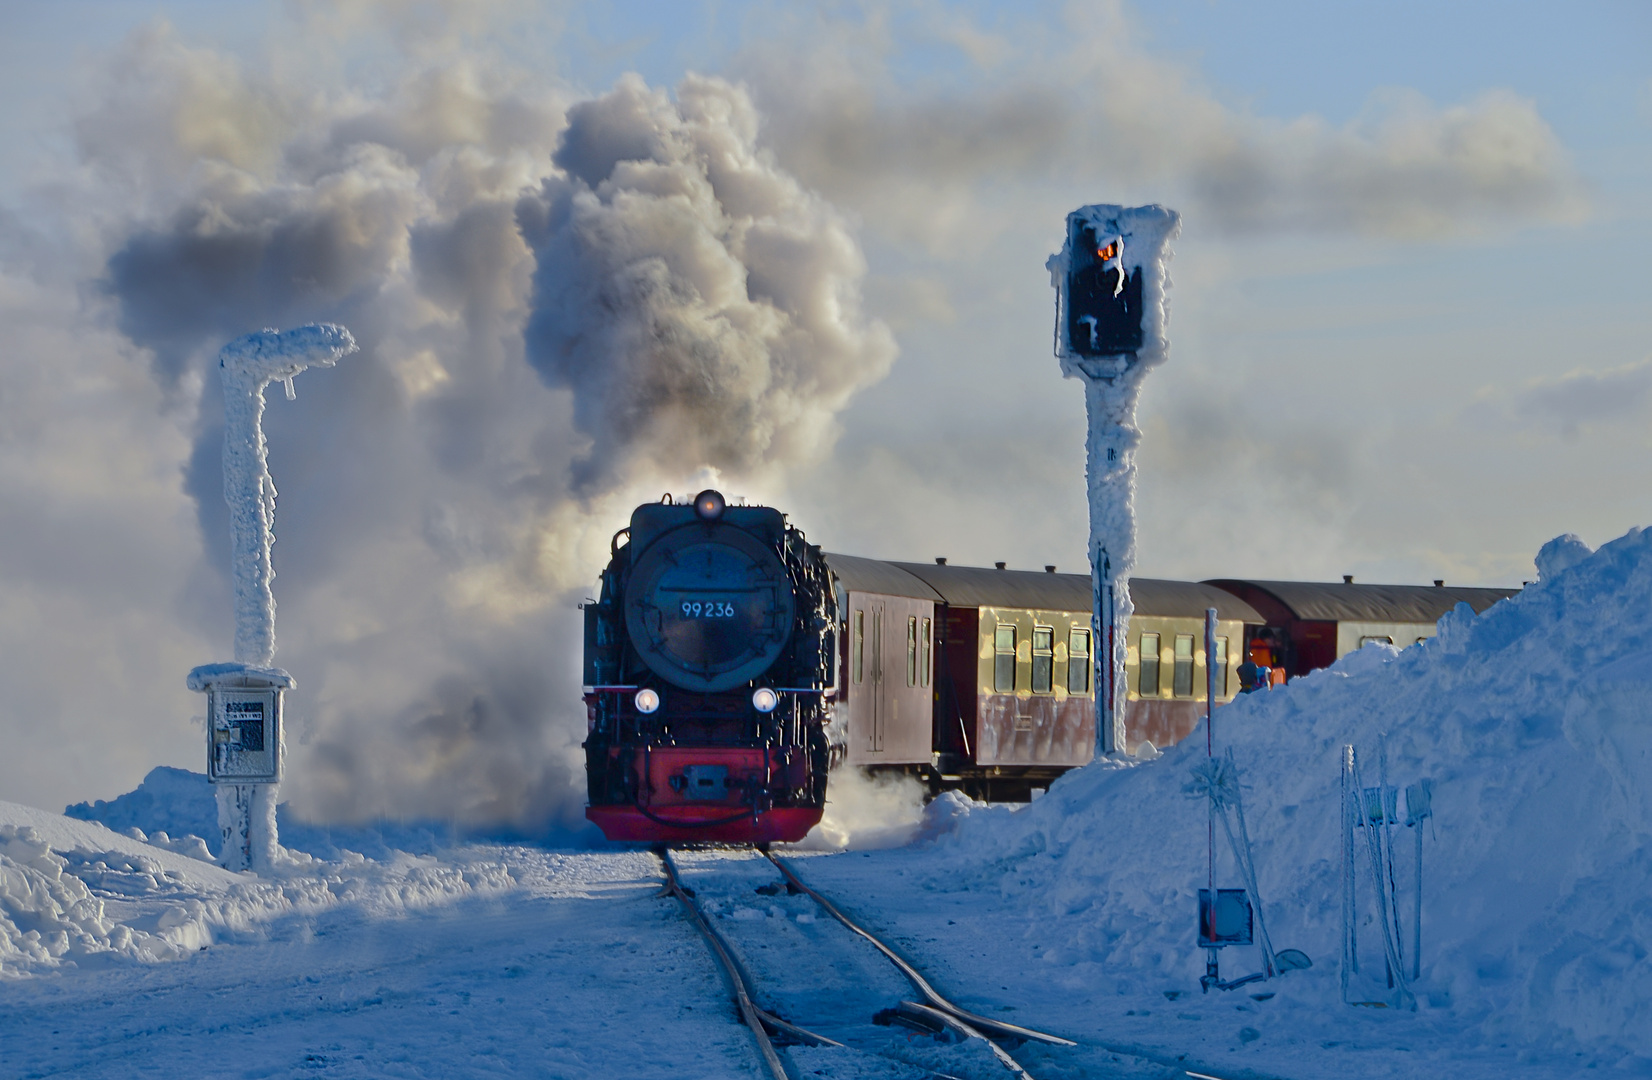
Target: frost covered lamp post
1110,280
244,698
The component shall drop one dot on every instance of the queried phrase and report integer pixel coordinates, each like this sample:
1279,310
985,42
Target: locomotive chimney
999,565
1347,579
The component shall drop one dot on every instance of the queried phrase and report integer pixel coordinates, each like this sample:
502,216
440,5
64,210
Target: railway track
974,1040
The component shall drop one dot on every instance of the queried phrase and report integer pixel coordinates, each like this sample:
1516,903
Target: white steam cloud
562,310
566,303
1084,101
699,302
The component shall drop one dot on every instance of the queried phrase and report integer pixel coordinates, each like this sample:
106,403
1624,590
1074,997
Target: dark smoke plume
698,301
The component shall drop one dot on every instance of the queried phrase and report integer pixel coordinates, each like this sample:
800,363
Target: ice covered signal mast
1110,278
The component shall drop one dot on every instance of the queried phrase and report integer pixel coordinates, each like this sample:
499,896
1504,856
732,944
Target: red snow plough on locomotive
708,660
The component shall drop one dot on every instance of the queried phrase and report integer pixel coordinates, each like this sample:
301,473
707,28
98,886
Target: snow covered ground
406,952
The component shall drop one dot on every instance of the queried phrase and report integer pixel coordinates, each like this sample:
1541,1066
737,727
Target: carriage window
923,672
1149,685
1043,660
1078,661
1221,667
859,647
1003,660
1183,685
912,650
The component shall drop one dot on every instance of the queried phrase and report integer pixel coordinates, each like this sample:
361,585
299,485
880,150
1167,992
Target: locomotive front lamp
765,700
647,700
709,505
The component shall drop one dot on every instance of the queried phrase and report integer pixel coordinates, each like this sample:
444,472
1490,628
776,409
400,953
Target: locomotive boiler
708,664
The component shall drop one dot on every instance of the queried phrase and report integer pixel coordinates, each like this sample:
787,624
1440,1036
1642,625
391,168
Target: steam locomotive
708,664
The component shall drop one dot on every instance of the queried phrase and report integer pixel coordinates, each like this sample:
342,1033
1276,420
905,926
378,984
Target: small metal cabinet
244,706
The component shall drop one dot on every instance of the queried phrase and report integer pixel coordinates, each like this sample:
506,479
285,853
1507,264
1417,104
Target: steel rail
740,981
749,1012
938,1010
919,983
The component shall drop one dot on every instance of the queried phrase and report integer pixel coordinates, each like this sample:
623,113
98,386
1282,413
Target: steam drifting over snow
454,490
562,312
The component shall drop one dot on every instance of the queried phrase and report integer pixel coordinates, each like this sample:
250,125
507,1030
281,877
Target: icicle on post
244,698
1110,279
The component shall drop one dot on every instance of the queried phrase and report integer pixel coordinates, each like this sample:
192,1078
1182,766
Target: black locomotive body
708,668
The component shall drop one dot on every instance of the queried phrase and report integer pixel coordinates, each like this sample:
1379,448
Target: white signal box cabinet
244,705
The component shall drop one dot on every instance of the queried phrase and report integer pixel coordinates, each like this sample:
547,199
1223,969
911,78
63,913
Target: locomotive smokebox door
244,706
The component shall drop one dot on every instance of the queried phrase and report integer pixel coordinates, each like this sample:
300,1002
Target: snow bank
74,892
181,803
1533,720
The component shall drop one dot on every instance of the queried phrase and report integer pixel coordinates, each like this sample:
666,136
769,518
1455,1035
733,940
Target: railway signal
1110,278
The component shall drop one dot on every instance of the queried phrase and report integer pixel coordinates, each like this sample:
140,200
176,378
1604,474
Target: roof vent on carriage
999,565
1347,579
940,560
1049,568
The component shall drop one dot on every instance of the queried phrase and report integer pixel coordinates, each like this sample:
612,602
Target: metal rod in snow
1210,682
1387,835
1350,941
1417,907
247,365
1210,742
1373,843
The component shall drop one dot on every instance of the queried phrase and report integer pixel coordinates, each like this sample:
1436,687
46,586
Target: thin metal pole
1210,682
1417,909
1350,944
1211,971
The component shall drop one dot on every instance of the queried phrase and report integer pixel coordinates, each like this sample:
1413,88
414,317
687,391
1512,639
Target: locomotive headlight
709,505
648,700
765,699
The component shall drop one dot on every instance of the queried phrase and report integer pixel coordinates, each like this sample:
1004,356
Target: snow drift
1533,720
76,893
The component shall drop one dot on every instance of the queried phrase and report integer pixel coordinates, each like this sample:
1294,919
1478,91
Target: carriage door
876,699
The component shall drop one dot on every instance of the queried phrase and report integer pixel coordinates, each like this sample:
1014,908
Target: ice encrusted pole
246,812
1110,279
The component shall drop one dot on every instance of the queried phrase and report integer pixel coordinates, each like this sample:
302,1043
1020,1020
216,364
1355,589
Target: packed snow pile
77,892
181,803
1534,723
